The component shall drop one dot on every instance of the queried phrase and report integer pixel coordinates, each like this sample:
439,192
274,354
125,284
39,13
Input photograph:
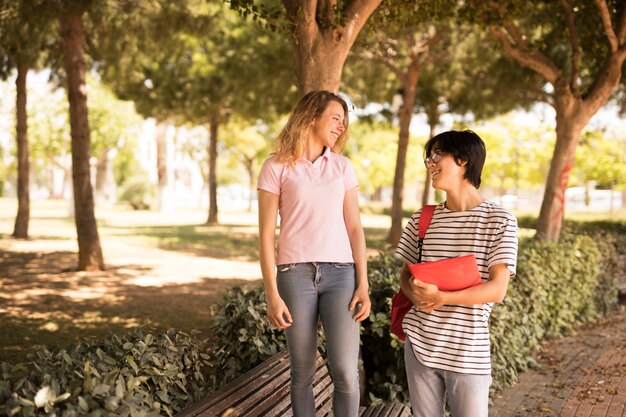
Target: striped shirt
456,337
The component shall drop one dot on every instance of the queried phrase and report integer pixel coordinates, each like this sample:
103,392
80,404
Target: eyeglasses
434,158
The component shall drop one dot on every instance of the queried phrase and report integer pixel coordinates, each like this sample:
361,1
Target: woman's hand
426,297
361,301
278,312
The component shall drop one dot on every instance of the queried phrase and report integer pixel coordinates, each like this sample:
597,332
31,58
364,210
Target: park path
158,266
582,375
176,267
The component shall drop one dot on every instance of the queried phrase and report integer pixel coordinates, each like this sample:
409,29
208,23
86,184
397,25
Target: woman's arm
427,297
268,213
352,218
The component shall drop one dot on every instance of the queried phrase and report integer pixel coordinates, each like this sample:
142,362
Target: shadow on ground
45,301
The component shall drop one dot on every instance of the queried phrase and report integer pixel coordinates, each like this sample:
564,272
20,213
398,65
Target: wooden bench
264,391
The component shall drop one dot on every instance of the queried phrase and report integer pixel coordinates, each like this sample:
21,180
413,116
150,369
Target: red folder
450,274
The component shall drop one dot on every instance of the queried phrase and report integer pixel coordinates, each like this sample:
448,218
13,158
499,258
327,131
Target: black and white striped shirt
456,337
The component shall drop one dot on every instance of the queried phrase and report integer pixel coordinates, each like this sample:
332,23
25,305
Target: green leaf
83,404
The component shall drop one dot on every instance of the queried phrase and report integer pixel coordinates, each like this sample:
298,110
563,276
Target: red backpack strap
425,217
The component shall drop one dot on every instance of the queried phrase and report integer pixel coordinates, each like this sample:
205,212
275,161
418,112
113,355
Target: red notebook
451,274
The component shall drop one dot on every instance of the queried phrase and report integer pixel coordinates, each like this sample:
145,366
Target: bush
135,374
139,192
383,353
242,336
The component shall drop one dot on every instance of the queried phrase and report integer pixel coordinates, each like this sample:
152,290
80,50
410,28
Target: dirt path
43,300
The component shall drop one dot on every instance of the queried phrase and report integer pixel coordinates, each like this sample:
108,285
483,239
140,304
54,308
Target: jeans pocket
343,265
285,267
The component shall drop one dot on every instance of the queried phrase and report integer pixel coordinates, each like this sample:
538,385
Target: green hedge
138,374
383,355
242,336
557,287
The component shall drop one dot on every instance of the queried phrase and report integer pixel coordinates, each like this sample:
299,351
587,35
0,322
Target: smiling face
329,126
445,173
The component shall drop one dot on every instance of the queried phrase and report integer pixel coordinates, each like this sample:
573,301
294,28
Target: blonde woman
320,269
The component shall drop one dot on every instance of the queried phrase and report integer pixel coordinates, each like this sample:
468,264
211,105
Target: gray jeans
324,290
468,395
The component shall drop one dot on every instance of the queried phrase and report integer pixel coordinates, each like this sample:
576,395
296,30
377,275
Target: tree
206,78
323,31
111,122
374,152
50,138
23,33
131,50
406,47
73,45
456,74
250,146
579,49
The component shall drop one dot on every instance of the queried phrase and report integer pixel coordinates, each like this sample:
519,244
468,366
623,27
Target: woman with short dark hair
447,353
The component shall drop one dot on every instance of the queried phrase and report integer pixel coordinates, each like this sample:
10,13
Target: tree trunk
433,120
73,41
101,169
377,194
213,129
570,119
319,65
573,110
321,50
160,137
250,171
406,113
105,183
20,230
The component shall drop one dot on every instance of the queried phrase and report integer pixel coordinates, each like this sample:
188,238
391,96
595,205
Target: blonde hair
292,139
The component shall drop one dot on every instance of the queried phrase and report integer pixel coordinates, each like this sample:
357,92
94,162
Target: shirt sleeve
349,177
407,246
269,177
504,249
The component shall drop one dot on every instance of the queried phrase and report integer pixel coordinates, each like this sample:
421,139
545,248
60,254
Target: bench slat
387,410
321,381
275,369
264,391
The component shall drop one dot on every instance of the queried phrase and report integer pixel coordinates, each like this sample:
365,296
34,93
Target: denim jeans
468,395
324,290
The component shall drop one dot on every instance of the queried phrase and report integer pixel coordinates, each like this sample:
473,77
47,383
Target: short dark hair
463,145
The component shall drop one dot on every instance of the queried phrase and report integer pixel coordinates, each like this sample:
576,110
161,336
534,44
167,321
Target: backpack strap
425,217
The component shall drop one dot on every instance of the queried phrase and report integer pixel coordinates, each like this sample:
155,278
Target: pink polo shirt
312,228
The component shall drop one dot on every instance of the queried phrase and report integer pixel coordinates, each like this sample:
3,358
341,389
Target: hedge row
141,374
138,374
